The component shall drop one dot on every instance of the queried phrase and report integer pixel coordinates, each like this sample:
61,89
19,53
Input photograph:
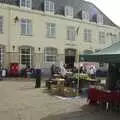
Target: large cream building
43,32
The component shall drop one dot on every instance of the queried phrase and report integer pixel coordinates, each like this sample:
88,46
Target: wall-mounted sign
69,44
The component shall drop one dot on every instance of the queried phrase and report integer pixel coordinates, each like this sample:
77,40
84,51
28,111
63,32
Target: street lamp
13,47
78,76
77,31
13,52
16,19
39,49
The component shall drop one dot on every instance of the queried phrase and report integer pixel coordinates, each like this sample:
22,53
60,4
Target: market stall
109,55
68,86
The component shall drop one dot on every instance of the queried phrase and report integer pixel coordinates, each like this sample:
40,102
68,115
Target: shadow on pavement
27,88
18,79
85,113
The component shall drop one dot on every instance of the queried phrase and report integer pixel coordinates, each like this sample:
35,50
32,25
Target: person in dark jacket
0,74
53,67
38,78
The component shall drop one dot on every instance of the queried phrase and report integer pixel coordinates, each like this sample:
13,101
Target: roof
78,6
109,54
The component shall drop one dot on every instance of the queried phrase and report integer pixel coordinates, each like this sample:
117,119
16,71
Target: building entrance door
70,57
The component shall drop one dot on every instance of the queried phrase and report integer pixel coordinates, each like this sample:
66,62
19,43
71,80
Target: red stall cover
95,95
14,70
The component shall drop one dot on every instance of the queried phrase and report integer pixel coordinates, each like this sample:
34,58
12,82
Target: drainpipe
9,36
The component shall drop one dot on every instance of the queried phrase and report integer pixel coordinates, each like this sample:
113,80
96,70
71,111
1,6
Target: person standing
3,72
28,73
63,71
92,72
53,67
0,73
38,78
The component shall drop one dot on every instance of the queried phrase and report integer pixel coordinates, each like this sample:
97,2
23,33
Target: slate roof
78,6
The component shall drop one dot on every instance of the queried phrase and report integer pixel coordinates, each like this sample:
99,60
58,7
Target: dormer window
26,4
49,6
68,11
85,16
99,19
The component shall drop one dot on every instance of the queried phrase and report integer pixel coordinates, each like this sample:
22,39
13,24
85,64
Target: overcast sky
110,8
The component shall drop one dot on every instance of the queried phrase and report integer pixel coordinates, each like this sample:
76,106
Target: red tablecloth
14,70
95,96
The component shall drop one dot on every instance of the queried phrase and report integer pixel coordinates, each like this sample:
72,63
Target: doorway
70,57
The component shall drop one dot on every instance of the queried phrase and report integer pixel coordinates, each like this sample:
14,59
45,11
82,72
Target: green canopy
109,54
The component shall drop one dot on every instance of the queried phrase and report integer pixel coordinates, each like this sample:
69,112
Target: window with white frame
119,36
68,11
26,56
26,3
1,55
71,33
26,27
85,15
113,38
99,19
49,6
87,35
102,37
1,24
50,54
51,30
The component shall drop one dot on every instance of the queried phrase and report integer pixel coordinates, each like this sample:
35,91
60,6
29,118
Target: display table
60,89
84,80
57,81
96,96
81,76
60,86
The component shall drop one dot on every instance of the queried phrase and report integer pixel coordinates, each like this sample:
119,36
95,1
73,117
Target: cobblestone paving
19,100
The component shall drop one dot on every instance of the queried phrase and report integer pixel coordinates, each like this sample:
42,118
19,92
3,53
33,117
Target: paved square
19,100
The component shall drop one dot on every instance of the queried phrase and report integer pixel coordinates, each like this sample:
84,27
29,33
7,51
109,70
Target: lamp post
38,57
78,76
78,62
13,53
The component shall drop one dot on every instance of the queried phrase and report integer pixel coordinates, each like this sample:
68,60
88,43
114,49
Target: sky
111,8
